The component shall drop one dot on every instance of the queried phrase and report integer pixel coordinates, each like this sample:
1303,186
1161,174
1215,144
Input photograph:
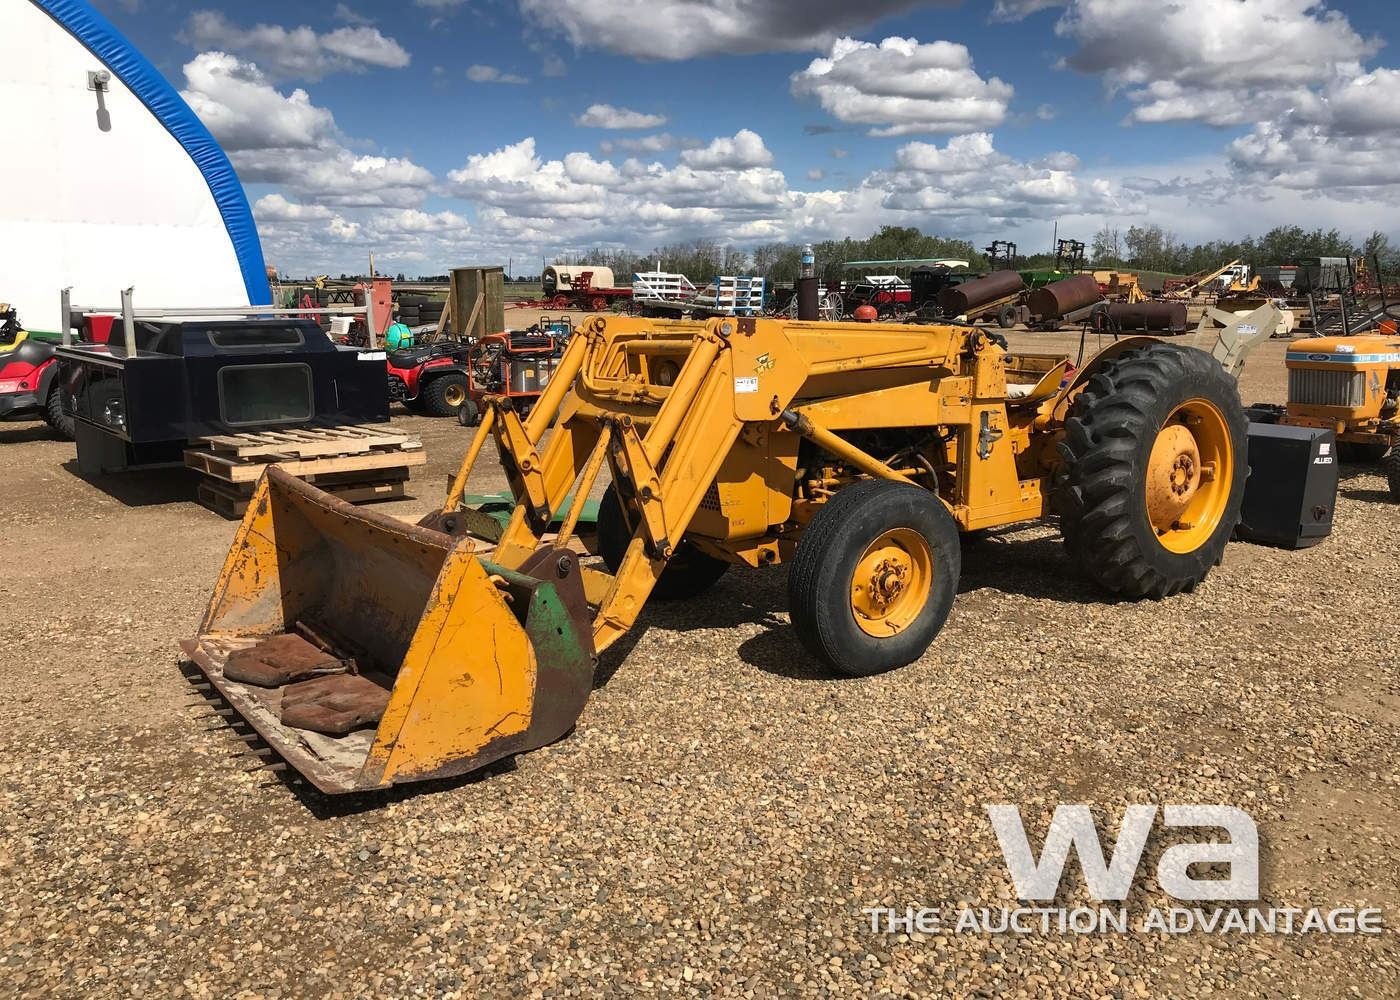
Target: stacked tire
430,311
411,309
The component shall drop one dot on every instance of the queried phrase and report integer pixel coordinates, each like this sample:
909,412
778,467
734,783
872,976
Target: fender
436,368
1060,404
440,365
48,374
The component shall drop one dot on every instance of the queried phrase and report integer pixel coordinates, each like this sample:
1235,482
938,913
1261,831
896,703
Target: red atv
29,384
430,378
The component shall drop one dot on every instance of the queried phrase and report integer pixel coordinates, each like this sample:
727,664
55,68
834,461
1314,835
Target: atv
29,383
430,378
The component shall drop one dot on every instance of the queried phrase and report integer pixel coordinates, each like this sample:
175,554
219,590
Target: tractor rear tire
444,395
54,416
689,573
1392,472
874,577
1362,452
1152,472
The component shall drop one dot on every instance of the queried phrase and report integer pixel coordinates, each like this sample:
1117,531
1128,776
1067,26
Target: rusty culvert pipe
959,299
1161,317
1060,298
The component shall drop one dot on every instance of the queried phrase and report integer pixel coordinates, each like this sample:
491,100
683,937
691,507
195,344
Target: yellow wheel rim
454,395
892,583
1189,475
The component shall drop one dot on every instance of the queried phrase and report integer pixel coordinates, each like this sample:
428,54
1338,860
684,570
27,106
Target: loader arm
667,403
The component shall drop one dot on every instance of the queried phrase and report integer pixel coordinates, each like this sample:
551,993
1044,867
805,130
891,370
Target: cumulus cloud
343,12
1320,123
1015,10
743,150
1201,60
968,178
608,116
275,208
726,190
685,29
478,73
658,143
244,111
1344,143
297,53
903,87
286,140
343,229
413,221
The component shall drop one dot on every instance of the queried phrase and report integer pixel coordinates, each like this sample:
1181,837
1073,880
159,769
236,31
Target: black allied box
1291,493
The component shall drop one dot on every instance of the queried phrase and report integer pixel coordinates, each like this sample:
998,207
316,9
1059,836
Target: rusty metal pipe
840,447
1060,298
969,295
1167,317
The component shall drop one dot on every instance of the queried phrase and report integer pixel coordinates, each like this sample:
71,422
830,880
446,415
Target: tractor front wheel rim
892,583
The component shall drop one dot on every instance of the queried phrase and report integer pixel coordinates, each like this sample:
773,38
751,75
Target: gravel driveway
725,810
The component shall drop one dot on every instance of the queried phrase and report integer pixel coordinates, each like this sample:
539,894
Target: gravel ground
724,811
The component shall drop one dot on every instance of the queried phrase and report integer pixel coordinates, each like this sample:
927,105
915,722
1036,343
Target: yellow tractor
369,652
1352,385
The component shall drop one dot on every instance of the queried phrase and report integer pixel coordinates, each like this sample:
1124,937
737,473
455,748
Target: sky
438,133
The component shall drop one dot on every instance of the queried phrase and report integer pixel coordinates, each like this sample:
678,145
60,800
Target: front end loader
368,652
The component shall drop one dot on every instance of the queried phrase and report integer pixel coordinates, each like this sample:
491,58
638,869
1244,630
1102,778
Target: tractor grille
1316,388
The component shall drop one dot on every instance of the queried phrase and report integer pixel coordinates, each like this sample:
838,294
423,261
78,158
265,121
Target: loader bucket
368,652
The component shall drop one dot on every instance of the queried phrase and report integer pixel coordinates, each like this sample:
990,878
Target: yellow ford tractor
1350,385
369,652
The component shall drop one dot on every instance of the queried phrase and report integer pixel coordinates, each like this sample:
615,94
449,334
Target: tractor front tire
1152,472
874,577
444,395
689,573
55,416
1362,452
1392,472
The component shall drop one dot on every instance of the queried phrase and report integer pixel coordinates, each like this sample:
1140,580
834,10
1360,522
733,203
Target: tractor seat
412,357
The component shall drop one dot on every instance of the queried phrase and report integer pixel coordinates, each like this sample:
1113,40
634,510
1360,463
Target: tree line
780,263
1153,248
1142,248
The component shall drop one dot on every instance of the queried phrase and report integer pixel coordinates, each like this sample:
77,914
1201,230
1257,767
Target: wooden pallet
242,458
232,501
310,442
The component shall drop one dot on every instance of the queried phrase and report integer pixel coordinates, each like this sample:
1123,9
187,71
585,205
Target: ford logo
1319,357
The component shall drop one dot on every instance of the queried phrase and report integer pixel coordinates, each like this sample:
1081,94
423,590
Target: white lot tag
746,384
